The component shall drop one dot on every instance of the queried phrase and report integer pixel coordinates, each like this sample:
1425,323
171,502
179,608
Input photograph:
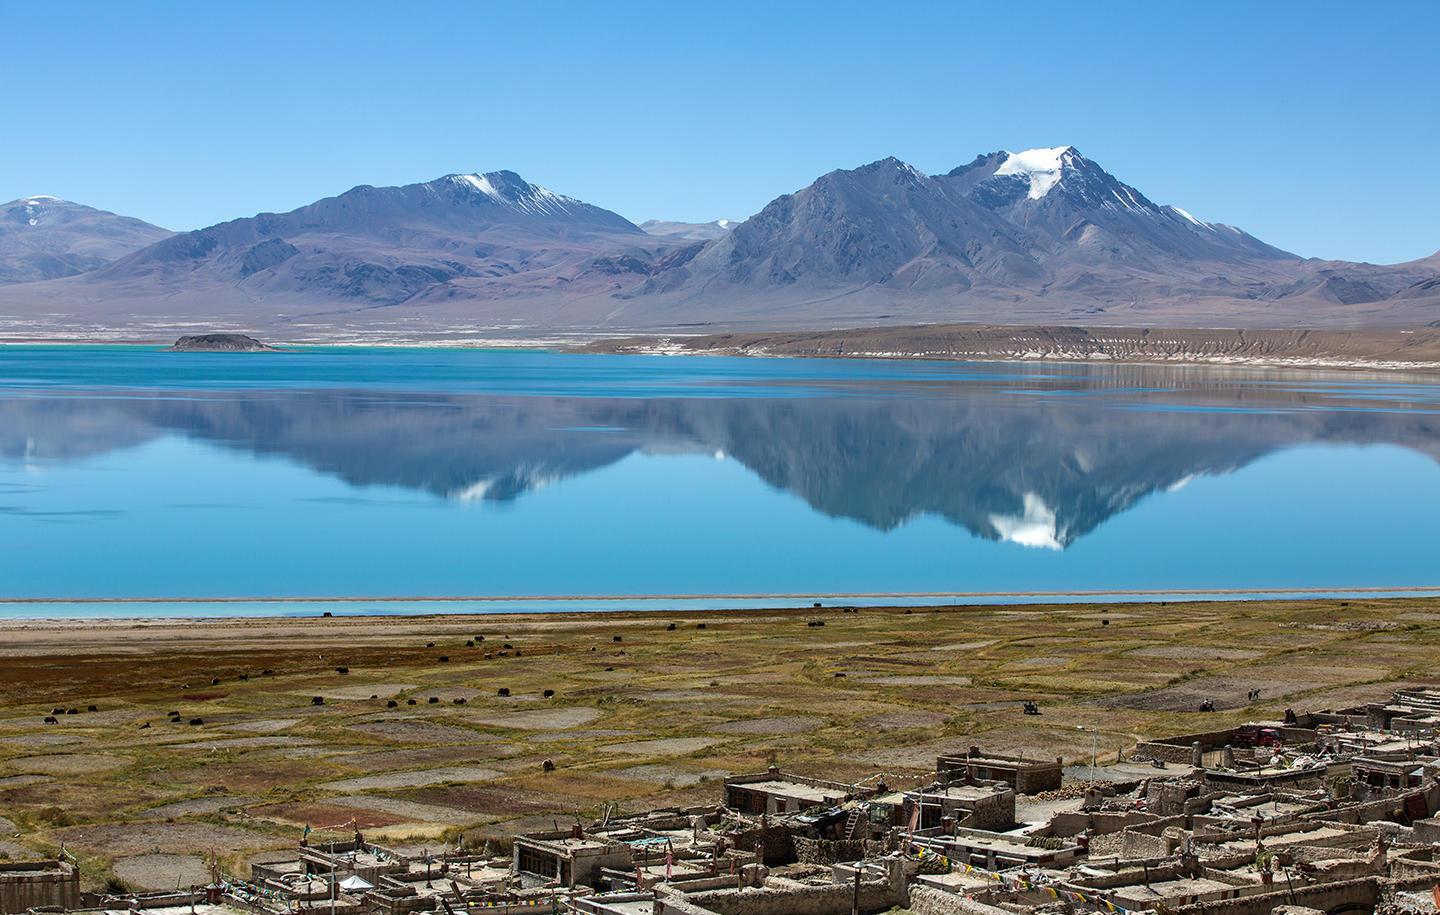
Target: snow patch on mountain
1126,196
1041,167
517,194
33,210
481,184
1209,227
1187,216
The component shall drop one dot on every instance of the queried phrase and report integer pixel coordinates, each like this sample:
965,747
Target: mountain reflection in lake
372,488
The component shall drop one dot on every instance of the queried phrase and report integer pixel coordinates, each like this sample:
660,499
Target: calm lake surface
350,472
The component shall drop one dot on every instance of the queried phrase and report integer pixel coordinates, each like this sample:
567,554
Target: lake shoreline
640,605
1397,350
20,632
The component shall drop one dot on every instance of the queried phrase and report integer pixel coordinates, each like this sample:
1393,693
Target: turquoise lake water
353,472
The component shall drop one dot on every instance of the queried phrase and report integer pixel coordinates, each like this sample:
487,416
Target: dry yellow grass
658,717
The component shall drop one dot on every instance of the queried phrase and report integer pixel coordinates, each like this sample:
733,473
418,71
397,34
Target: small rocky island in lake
221,343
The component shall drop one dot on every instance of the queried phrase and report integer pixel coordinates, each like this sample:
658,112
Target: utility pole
855,899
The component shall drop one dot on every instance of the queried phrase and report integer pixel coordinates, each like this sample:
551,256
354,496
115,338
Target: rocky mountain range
477,236
1044,236
44,238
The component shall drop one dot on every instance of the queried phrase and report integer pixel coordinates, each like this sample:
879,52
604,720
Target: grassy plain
642,714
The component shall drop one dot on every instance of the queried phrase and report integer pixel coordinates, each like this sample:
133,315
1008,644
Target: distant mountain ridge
692,231
1042,236
44,238
383,245
880,223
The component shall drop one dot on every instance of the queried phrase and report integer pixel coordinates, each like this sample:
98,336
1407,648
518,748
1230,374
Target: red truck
1252,735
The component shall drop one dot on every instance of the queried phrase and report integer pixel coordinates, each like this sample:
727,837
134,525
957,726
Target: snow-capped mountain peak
509,189
1042,167
35,206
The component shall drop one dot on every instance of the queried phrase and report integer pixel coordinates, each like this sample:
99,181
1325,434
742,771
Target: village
1323,811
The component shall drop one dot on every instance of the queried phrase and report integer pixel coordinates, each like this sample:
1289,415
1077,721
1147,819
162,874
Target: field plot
234,735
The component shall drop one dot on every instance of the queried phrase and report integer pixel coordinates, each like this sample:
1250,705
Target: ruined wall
783,897
1067,824
926,900
1386,808
1427,830
778,841
1294,832
1363,893
824,851
675,905
1177,749
1129,844
1415,864
505,908
46,883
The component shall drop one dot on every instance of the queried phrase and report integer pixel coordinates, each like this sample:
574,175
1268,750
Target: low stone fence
1359,895
926,900
780,896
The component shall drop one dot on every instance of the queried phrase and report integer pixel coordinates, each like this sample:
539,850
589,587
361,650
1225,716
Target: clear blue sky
1314,125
